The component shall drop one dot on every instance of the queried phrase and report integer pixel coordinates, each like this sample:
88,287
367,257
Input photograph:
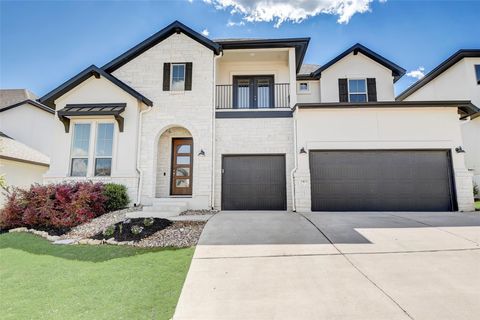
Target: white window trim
299,91
184,76
92,146
366,88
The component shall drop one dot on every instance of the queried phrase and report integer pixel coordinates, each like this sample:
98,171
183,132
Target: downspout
212,194
295,156
139,140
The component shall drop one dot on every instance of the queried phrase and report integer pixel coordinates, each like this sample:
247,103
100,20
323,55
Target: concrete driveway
279,265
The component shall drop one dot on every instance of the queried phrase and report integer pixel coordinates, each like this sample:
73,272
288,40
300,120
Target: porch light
460,149
302,151
201,153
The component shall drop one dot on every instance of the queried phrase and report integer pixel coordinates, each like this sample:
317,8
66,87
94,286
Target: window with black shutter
177,76
372,89
343,90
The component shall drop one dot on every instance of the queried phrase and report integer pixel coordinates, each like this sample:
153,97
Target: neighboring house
457,78
20,164
241,124
25,119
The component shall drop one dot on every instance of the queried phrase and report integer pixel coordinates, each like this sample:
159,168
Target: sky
44,43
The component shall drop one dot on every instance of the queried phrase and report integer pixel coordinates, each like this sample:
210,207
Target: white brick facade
253,136
191,110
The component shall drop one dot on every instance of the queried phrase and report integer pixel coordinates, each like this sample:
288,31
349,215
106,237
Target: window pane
178,77
358,98
81,139
183,160
79,167
182,172
103,166
105,139
355,86
477,72
303,86
182,183
243,94
184,148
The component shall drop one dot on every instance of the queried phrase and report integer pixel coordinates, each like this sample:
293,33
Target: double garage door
386,180
381,180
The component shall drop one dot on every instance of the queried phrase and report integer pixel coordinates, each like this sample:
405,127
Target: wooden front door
182,158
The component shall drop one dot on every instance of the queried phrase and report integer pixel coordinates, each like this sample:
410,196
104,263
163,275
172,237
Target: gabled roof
93,70
300,45
11,149
13,96
397,71
306,70
174,27
30,102
442,67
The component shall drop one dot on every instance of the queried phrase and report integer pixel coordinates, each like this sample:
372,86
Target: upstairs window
477,72
303,87
178,77
357,90
80,149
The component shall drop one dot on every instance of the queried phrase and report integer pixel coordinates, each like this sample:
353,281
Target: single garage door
381,181
254,182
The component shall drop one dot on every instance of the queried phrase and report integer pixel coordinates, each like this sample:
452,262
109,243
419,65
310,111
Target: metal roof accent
174,27
450,61
397,71
93,70
93,109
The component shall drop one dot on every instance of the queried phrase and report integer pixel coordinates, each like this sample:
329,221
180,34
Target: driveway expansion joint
359,270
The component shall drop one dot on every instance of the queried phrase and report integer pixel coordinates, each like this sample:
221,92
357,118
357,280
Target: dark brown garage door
254,182
381,181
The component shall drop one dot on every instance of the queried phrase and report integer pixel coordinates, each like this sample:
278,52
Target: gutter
212,194
139,140
295,157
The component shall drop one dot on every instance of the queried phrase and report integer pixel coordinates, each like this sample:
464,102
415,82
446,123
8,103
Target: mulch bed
133,229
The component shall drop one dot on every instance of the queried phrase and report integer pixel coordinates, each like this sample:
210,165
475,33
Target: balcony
252,93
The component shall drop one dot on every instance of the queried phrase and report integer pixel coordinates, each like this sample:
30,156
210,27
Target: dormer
358,75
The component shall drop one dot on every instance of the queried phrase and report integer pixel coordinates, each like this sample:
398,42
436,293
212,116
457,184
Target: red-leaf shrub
54,206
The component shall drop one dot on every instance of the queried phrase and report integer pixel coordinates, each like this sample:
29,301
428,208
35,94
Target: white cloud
231,23
205,32
279,11
419,73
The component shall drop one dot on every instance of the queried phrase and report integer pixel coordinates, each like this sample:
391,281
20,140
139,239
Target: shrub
53,206
117,197
475,189
109,231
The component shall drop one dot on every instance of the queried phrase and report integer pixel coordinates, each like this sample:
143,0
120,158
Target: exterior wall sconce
201,153
303,151
460,149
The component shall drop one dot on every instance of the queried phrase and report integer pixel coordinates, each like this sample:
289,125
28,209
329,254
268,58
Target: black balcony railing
229,96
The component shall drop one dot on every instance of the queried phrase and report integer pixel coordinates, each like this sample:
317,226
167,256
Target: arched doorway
174,168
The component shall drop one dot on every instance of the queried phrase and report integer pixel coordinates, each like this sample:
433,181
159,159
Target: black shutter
166,77
188,76
343,90
372,90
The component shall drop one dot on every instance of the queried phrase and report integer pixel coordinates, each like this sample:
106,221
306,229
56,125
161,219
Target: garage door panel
381,180
254,182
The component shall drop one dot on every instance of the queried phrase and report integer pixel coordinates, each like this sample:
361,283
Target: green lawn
39,280
477,205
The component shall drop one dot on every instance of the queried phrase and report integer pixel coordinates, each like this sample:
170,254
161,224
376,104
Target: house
25,126
25,119
241,124
458,77
19,164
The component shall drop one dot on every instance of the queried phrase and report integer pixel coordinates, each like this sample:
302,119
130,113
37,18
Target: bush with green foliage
117,196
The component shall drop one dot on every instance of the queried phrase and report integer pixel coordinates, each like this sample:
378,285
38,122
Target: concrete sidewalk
278,265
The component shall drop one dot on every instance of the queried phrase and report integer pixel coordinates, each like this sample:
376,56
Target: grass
39,280
477,205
